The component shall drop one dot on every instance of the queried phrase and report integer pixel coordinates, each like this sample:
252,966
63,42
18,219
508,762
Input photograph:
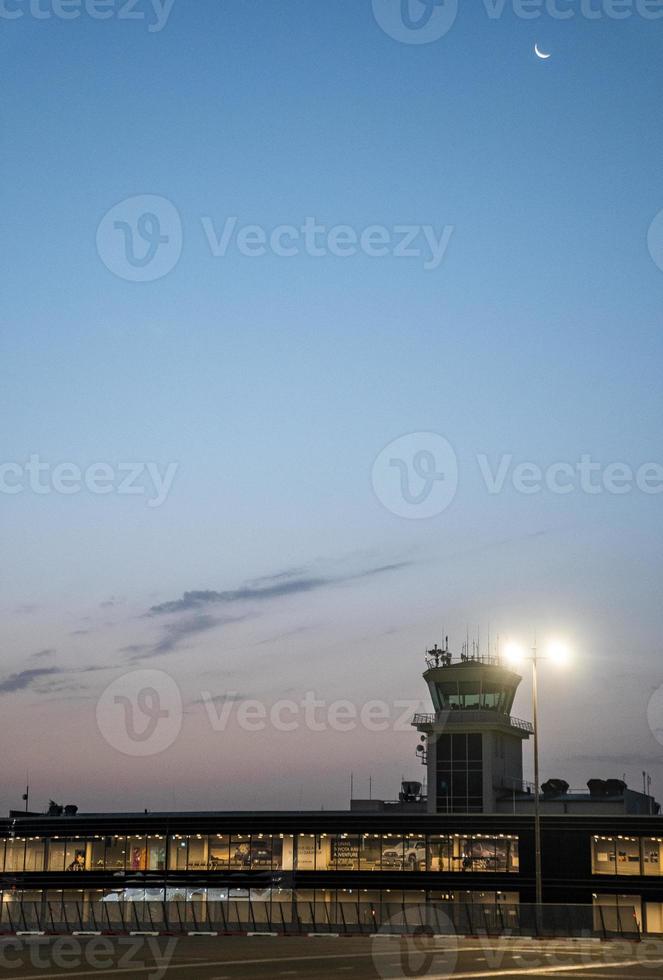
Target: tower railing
444,658
461,716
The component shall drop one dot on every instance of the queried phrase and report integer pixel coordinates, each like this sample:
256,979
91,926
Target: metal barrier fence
301,917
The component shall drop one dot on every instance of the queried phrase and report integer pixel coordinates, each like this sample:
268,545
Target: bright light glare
514,654
559,653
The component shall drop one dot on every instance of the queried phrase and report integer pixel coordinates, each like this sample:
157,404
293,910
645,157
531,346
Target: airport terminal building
468,842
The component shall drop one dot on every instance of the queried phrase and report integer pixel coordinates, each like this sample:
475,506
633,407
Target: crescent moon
540,54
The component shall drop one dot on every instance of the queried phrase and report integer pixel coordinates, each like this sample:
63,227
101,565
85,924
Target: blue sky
273,383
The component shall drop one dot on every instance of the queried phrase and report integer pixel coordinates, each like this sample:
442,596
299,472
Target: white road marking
201,964
538,971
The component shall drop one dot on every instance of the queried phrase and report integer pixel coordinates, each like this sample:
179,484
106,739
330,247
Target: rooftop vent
606,787
555,787
410,791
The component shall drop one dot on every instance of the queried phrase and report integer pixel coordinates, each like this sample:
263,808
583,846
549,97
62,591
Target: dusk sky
245,533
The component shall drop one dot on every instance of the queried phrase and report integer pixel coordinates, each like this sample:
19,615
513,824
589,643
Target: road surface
320,958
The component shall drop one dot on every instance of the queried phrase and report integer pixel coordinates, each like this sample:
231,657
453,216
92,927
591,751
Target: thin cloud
197,599
275,587
45,680
283,636
134,648
111,603
176,633
58,686
42,654
288,573
24,680
220,699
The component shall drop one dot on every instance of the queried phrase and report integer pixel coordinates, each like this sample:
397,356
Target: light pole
537,805
559,653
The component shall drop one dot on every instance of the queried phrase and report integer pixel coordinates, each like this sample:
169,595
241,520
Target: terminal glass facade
263,852
627,856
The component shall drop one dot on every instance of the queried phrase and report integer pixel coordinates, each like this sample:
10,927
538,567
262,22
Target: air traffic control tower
472,747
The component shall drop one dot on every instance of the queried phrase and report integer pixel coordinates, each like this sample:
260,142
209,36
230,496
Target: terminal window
627,856
456,853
